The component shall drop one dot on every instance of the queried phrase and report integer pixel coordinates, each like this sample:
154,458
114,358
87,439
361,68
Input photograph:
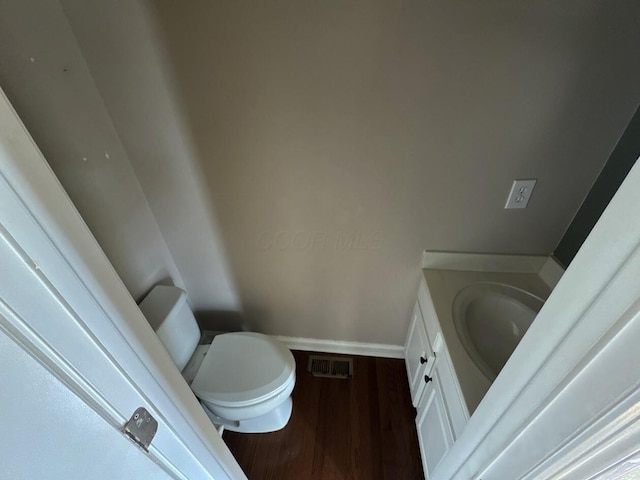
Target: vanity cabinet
441,411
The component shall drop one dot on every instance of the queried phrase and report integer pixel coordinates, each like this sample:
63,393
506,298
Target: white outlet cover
520,193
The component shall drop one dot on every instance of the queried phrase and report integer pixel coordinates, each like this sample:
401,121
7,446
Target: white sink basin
491,319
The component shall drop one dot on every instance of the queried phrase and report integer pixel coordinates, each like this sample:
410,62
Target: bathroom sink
490,320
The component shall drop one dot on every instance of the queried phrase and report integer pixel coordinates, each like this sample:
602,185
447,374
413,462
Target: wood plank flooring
359,428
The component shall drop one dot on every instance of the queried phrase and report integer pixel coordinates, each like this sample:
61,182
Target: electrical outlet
520,193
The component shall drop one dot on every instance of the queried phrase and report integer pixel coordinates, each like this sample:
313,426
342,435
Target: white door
49,432
62,302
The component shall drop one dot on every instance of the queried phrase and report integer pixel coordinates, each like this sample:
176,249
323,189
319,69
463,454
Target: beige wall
143,203
334,141
47,81
404,121
122,51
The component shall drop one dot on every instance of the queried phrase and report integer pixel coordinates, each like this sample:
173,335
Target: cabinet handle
427,379
424,360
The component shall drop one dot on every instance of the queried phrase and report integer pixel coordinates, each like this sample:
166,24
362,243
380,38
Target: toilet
243,380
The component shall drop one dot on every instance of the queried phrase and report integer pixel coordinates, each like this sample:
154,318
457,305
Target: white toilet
243,380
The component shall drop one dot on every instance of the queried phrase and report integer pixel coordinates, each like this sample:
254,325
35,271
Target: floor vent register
330,367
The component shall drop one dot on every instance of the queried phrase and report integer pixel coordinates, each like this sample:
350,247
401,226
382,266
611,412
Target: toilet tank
167,311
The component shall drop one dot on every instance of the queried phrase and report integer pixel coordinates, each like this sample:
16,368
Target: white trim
609,440
551,272
483,262
345,348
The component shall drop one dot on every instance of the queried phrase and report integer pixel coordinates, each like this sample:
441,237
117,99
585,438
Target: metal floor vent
331,367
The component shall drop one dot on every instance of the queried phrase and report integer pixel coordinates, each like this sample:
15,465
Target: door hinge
141,428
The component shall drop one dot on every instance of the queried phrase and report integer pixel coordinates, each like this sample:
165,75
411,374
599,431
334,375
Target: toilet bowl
243,380
246,376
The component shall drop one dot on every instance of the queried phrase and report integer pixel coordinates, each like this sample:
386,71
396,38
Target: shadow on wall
130,74
222,321
622,158
213,320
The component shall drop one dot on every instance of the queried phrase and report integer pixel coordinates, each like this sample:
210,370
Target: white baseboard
345,348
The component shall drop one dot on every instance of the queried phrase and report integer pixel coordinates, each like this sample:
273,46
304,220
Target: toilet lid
242,369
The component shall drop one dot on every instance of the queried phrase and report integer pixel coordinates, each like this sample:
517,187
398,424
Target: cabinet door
417,355
434,431
456,407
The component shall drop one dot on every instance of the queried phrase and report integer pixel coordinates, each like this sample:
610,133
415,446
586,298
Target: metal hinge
141,428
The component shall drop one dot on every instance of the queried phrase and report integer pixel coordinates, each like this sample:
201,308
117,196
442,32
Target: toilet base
269,422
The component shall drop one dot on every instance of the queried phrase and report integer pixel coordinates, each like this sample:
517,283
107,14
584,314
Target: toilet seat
243,369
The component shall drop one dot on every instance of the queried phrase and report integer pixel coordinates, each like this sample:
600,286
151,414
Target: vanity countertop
443,286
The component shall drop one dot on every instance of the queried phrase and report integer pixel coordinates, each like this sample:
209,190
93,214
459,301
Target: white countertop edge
483,262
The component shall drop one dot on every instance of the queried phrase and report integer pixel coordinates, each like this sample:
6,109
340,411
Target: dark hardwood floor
359,428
